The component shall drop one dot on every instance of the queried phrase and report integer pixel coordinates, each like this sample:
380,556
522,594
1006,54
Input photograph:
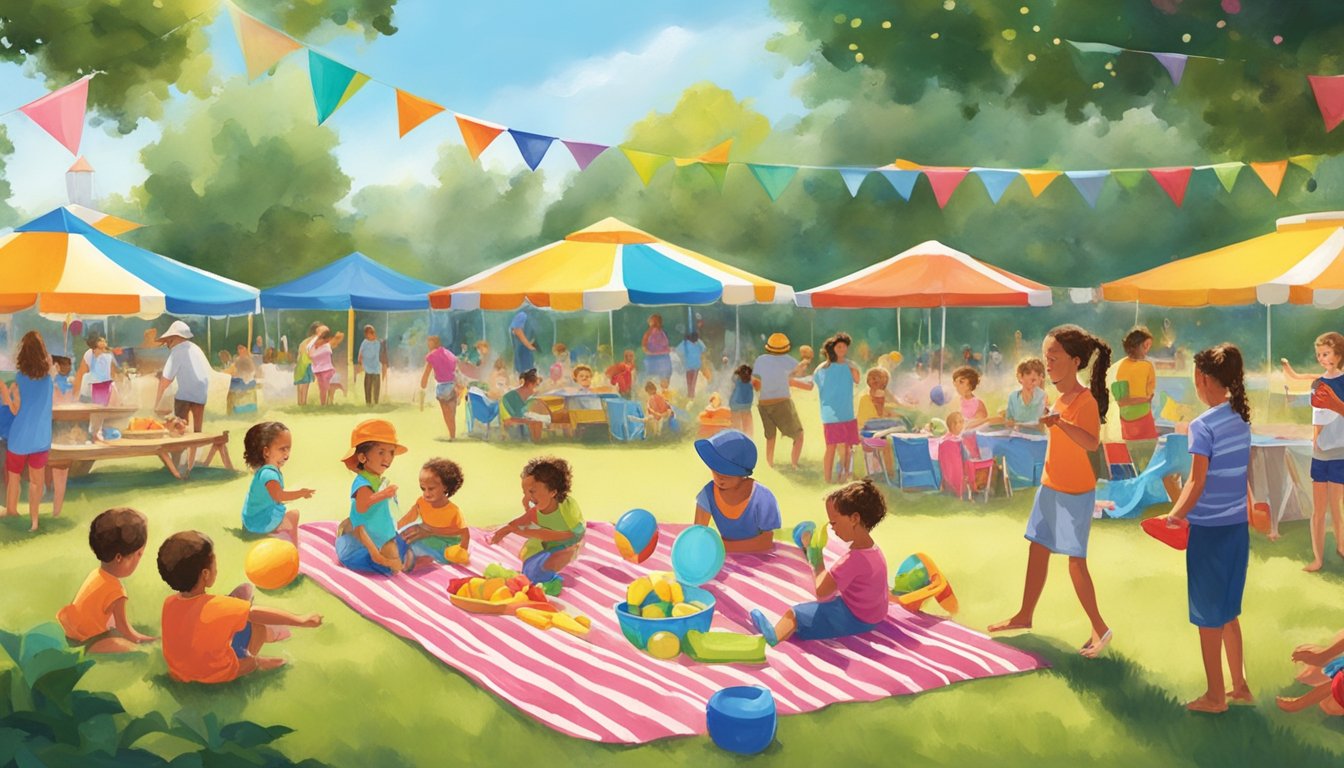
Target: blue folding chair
915,468
481,411
625,419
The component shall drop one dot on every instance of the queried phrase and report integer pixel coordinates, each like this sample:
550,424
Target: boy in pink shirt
852,595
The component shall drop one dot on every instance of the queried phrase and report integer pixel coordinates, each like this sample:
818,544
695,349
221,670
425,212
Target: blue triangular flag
902,180
1089,184
995,180
532,146
854,178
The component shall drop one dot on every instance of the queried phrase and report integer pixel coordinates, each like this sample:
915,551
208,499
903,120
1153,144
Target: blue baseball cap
729,453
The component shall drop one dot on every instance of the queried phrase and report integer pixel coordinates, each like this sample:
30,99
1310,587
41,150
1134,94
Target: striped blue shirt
1221,435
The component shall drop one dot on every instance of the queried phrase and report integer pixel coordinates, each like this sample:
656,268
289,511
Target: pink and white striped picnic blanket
603,689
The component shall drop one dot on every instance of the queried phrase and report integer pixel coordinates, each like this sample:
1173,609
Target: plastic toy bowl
638,629
1176,538
742,719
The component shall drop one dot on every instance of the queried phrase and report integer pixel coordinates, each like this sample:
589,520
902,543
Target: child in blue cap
744,511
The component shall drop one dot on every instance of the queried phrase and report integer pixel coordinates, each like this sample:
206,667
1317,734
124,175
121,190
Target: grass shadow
15,529
226,700
1154,716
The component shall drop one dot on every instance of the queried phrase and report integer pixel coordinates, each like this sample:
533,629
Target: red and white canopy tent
926,276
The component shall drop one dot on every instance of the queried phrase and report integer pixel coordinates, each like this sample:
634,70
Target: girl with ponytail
1061,517
1216,504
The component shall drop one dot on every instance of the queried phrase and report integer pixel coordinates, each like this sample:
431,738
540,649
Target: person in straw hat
367,540
774,373
189,367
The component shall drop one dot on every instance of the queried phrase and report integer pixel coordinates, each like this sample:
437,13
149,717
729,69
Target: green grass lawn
357,695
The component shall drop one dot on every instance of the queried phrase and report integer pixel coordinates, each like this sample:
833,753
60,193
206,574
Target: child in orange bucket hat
368,541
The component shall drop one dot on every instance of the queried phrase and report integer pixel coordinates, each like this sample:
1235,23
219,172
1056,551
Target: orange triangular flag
413,110
263,46
477,134
1271,174
1039,180
717,155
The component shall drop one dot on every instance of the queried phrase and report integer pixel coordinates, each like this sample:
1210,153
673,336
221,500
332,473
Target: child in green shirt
551,522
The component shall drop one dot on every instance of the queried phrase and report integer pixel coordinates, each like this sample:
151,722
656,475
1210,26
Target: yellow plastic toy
918,579
272,563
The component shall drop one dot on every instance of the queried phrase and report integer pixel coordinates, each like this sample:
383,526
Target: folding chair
481,411
625,419
915,468
1119,464
975,464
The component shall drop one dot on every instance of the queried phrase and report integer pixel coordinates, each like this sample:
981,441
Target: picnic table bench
80,458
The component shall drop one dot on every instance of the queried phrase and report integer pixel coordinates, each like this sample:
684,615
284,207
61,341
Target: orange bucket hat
777,344
371,431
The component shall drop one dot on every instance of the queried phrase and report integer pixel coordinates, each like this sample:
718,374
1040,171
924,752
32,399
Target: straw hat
371,431
777,344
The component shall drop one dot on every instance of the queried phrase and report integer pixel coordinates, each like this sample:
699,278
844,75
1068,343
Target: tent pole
737,335
611,332
209,341
1136,313
812,334
248,340
898,329
350,352
483,334
1269,357
942,342
386,394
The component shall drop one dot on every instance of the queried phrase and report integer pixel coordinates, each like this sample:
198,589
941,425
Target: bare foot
1292,704
1205,704
1011,625
1274,536
33,528
1313,566
269,662
1240,695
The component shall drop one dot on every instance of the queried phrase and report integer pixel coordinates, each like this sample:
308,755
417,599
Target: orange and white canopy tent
928,275
1301,262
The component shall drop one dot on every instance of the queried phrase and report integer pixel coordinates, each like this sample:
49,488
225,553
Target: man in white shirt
188,366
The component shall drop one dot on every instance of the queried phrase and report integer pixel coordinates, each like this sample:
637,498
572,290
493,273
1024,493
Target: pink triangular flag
583,152
1175,64
1173,181
1329,92
61,113
944,182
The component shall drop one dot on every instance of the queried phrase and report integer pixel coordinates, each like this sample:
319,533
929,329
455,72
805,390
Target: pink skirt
1139,429
101,393
842,433
324,377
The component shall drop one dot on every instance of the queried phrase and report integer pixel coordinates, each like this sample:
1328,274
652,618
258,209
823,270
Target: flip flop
764,626
1092,651
805,527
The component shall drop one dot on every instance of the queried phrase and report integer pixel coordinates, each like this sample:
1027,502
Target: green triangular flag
645,163
774,179
333,83
1228,173
1129,178
1309,162
716,172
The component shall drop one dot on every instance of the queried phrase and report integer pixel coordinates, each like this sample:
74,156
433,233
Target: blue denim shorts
826,619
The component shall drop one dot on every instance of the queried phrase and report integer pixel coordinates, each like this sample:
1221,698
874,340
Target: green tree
8,216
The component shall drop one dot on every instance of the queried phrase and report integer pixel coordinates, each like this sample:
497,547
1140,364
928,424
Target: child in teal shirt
368,541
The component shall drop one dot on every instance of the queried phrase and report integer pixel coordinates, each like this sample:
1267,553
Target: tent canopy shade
605,267
352,282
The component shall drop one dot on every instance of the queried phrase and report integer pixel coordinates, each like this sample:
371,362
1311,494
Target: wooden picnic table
84,411
80,458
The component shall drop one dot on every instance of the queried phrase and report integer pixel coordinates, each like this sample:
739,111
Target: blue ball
937,395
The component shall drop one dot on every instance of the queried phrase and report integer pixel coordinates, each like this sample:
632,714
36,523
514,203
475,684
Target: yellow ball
272,564
664,645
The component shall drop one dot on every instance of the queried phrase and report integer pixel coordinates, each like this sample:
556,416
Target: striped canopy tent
103,222
927,276
605,267
1300,262
59,264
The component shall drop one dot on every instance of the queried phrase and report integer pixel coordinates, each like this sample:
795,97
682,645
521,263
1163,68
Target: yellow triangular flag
645,163
906,165
413,110
263,46
1039,180
356,83
1271,174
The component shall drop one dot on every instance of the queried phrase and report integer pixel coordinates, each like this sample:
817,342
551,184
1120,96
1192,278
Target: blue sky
580,69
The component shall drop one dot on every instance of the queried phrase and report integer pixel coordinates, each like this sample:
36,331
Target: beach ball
937,395
637,535
912,574
272,563
664,645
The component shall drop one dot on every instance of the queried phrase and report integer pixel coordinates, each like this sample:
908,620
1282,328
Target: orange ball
272,564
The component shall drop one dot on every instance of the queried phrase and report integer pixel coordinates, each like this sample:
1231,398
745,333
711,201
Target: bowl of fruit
674,602
497,595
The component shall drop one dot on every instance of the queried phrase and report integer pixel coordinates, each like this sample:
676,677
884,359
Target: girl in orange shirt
1061,518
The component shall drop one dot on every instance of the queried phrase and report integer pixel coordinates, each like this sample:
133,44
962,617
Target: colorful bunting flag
61,113
1173,181
1227,173
902,180
1129,178
477,134
1306,162
996,181
774,179
944,182
718,155
333,84
1174,63
854,178
717,172
532,146
1039,180
263,46
1271,174
646,164
1095,48
1089,184
1329,91
584,153
413,110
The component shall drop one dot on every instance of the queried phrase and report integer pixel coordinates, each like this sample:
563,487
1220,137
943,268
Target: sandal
1092,650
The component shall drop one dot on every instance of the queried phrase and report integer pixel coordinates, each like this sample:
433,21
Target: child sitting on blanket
367,540
266,449
214,638
1315,659
852,595
744,511
551,522
434,527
